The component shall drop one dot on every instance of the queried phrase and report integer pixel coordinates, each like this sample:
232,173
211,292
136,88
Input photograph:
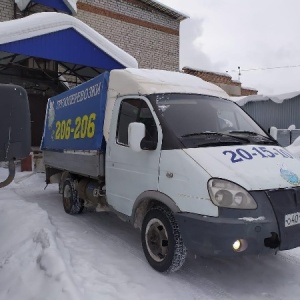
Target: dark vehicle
15,135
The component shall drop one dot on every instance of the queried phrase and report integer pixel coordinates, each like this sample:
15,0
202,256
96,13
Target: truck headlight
228,194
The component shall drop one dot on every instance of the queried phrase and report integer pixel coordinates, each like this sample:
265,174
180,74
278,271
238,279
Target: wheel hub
157,240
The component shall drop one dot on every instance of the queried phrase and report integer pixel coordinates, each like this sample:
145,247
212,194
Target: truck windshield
199,120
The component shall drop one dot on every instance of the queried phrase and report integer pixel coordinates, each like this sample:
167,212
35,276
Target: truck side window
135,110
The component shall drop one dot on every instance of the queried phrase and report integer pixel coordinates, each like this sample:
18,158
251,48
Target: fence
285,137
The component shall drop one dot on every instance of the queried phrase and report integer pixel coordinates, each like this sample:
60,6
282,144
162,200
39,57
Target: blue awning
62,38
65,46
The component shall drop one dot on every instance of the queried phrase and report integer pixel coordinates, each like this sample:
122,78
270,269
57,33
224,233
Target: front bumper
215,236
260,228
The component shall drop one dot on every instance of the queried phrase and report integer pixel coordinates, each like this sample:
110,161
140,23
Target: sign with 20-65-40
80,128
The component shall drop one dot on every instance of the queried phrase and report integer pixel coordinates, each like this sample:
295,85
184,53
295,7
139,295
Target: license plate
292,219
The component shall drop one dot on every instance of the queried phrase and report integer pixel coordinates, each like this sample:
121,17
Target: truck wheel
72,203
162,243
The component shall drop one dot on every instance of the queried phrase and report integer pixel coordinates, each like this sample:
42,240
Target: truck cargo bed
90,164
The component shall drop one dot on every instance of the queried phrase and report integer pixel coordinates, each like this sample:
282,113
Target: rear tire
162,242
71,202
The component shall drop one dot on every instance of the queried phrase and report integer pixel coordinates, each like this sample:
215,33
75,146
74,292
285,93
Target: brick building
223,80
147,31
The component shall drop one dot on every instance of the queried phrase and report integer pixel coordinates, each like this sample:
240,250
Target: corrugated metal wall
268,113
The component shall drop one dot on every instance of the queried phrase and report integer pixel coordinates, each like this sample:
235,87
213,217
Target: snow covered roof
166,9
69,4
248,88
49,23
241,101
147,82
206,71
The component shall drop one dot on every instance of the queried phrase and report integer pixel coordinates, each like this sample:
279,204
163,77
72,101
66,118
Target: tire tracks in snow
197,285
111,237
203,288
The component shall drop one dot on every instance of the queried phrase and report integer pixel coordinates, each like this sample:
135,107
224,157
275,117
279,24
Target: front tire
162,242
71,202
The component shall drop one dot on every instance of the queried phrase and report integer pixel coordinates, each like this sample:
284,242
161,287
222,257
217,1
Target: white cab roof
147,82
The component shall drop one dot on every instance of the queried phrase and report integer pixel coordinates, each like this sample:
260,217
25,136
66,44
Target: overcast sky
222,35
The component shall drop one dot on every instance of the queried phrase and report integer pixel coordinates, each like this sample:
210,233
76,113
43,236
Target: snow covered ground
47,254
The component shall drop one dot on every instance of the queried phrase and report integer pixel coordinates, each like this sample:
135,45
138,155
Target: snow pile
46,254
249,219
31,266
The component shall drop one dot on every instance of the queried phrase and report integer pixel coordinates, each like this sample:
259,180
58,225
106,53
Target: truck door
130,173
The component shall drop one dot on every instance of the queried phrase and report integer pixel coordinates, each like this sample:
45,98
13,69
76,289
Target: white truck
171,154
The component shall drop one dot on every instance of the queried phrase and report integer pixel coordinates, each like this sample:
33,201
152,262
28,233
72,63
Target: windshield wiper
222,143
205,133
266,139
220,134
247,132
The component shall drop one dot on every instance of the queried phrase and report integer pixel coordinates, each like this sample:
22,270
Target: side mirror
15,138
136,132
273,132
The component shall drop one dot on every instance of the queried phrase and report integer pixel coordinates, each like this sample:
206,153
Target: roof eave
166,9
